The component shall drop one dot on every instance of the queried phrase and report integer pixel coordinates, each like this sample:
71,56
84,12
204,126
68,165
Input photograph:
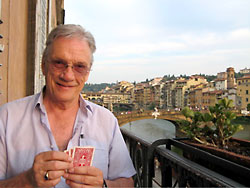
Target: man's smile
65,85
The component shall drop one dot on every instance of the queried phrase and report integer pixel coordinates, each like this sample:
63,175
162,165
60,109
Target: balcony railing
175,170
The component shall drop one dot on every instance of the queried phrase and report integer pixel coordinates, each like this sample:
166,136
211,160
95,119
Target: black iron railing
177,170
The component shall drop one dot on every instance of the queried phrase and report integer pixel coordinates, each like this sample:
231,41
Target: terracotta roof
216,92
197,76
230,68
181,81
247,76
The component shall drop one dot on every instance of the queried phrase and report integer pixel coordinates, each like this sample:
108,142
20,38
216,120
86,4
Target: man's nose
68,73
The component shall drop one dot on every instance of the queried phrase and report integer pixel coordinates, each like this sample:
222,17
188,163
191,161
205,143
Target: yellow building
210,98
117,98
148,96
95,97
169,93
196,100
182,86
243,91
139,97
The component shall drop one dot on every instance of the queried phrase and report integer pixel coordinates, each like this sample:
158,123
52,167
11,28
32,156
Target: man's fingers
51,183
84,179
55,174
87,170
56,165
87,175
51,161
54,155
78,185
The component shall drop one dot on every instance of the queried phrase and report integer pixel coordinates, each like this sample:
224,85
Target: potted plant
213,131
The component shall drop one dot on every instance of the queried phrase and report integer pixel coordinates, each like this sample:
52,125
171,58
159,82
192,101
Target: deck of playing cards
82,156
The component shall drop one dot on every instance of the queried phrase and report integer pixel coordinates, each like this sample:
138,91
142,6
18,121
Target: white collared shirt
25,132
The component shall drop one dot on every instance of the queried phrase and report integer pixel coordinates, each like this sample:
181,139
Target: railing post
166,173
150,159
166,170
146,179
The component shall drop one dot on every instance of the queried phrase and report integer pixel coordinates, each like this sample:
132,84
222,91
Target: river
151,129
154,129
244,134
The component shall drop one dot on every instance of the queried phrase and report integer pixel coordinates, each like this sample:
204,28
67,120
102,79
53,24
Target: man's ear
43,67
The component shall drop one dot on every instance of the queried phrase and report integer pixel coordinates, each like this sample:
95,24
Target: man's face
65,71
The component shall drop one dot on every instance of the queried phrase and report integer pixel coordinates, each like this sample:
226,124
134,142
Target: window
246,99
246,92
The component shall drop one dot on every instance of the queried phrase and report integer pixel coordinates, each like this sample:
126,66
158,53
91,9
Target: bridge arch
170,116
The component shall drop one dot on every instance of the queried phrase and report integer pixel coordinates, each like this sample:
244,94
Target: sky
143,39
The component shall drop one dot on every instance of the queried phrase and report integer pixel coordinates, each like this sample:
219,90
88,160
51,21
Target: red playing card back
67,151
83,156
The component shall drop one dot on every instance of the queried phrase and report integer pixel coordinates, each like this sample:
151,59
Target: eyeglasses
79,68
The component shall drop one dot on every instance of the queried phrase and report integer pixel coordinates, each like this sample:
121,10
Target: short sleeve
120,163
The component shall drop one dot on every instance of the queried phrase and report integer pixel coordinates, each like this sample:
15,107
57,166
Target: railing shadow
175,170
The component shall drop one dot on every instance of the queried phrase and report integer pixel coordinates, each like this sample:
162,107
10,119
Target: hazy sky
140,39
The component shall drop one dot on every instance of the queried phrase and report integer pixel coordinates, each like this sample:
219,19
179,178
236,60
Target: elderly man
35,130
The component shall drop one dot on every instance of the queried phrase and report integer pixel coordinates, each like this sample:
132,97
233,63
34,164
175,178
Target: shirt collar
84,105
39,101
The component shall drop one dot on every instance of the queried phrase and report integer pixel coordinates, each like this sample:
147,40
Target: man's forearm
21,180
120,182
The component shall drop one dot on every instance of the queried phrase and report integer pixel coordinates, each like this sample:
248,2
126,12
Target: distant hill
208,77
173,77
96,87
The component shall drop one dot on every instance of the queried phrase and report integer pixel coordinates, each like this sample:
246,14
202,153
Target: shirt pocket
100,159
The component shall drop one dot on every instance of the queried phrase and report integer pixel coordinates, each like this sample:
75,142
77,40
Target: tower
230,78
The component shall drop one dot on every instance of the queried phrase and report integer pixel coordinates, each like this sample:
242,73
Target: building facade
243,91
24,27
194,92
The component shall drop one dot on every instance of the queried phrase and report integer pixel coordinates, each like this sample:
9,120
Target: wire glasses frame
78,68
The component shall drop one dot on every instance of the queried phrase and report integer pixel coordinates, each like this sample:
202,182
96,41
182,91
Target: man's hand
55,163
88,175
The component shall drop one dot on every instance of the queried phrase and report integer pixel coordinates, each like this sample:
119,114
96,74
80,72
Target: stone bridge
171,116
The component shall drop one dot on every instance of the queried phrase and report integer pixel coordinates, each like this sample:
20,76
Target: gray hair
68,31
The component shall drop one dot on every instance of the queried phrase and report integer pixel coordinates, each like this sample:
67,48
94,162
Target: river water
244,134
151,129
154,129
